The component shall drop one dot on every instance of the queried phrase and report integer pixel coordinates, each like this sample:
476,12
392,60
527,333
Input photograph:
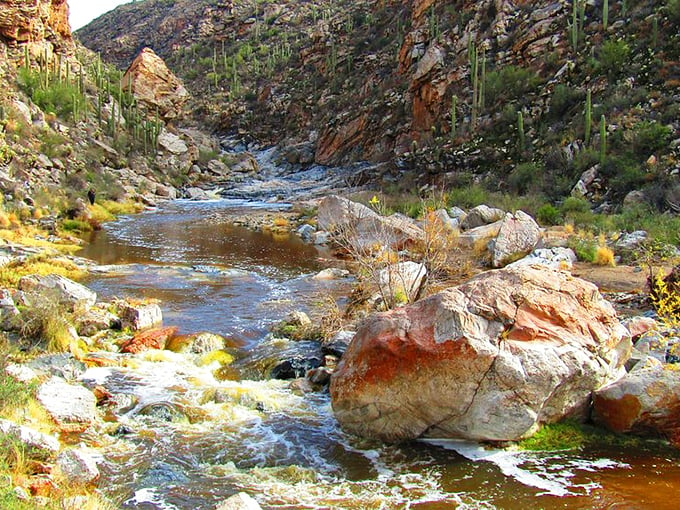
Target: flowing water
188,439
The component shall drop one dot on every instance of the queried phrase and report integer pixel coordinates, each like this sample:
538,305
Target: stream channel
218,437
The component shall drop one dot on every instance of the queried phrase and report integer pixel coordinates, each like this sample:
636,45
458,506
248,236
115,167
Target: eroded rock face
154,85
34,21
488,360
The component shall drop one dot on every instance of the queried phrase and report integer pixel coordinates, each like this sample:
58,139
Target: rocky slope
442,91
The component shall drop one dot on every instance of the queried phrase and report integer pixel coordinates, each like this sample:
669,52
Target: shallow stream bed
191,440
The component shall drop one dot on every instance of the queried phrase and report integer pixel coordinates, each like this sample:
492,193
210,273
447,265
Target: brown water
285,449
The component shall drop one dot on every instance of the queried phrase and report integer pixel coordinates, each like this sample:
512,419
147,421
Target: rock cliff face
434,86
34,21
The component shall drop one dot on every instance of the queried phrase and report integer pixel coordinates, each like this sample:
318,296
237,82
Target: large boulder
37,444
645,402
518,235
362,228
154,85
488,360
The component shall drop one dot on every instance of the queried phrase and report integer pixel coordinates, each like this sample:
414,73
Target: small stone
78,467
332,273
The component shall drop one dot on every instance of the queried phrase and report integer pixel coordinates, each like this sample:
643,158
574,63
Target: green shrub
563,99
510,82
524,177
584,250
673,10
469,196
613,57
548,214
575,205
650,137
59,98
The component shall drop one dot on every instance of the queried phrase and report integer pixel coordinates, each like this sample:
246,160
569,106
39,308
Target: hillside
513,95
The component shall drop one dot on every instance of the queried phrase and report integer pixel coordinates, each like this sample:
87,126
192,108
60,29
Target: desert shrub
510,82
673,10
563,99
614,54
57,97
524,177
585,250
548,214
469,196
650,137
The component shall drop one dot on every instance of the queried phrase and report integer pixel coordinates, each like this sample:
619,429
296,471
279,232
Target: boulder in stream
78,467
645,402
156,338
240,501
66,292
489,360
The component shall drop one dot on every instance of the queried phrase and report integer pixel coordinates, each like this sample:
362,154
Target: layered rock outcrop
154,85
34,21
488,360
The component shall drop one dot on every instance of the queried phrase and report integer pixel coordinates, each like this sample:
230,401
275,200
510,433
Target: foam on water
551,473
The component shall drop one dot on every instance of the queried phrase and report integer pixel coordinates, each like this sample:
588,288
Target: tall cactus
603,139
588,117
605,14
454,103
520,130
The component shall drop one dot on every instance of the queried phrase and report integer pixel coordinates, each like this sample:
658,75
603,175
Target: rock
71,406
142,316
646,401
35,21
401,283
218,168
298,319
95,320
518,235
21,373
9,313
207,342
449,224
362,228
306,232
77,467
172,143
194,193
319,238
489,360
635,198
337,346
155,338
638,326
64,366
240,501
470,238
653,344
632,240
294,367
66,292
555,258
166,191
40,445
332,273
481,215
154,85
320,376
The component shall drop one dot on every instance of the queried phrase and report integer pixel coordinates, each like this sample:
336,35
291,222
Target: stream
189,440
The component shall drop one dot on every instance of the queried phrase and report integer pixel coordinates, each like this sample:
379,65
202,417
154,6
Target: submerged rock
488,360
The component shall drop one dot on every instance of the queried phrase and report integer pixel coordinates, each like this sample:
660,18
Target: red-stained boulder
155,338
645,402
488,360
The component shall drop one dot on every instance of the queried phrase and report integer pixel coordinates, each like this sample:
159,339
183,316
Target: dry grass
40,265
604,256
